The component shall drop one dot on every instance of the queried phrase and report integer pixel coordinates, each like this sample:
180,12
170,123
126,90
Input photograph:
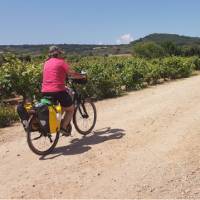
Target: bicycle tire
75,122
34,149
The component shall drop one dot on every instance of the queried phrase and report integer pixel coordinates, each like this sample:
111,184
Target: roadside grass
8,115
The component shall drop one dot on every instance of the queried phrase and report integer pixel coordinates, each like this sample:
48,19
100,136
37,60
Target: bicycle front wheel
85,117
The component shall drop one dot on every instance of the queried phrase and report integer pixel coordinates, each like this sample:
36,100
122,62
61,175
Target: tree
148,50
171,49
191,51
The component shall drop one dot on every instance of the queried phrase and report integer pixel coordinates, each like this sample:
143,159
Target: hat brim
56,52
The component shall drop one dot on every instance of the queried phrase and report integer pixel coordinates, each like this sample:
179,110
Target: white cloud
125,39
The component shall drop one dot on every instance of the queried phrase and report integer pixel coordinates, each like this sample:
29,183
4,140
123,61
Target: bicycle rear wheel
85,117
38,142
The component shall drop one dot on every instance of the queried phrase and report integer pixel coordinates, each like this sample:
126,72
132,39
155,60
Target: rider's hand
76,75
83,76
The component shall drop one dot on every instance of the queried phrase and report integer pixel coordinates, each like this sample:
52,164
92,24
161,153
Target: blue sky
94,21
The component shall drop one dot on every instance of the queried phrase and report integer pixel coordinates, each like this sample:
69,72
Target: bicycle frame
78,100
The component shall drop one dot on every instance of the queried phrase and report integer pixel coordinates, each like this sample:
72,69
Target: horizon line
96,44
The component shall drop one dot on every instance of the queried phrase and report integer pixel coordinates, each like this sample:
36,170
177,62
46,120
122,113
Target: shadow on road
82,145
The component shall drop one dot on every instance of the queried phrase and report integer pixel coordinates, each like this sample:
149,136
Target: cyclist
55,71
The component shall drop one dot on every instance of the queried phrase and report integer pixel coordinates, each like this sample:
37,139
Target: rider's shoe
66,132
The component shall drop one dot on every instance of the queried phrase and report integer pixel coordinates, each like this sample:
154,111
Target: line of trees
155,50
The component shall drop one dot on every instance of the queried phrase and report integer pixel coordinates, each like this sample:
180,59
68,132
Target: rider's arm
75,74
72,73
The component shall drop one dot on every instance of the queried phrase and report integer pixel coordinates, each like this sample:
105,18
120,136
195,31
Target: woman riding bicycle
55,72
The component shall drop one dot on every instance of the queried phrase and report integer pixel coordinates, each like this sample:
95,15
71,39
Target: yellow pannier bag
55,116
28,106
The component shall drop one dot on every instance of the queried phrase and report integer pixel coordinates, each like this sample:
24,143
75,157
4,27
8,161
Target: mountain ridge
166,37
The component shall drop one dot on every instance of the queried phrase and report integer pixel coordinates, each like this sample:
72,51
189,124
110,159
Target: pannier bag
55,118
49,118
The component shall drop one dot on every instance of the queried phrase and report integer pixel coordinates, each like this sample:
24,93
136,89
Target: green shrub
155,72
177,67
196,61
8,115
103,78
18,77
134,73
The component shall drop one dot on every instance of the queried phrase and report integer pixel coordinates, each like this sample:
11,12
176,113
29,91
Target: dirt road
146,145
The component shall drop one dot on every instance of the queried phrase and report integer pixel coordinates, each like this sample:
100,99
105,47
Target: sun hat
54,50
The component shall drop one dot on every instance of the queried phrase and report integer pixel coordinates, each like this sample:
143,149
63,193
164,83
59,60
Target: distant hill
85,50
70,49
38,49
176,39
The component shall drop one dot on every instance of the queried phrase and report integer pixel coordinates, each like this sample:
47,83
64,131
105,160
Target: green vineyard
107,76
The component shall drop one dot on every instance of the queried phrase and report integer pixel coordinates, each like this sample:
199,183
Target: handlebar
77,80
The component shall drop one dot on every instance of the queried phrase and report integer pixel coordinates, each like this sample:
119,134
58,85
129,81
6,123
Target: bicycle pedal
66,132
